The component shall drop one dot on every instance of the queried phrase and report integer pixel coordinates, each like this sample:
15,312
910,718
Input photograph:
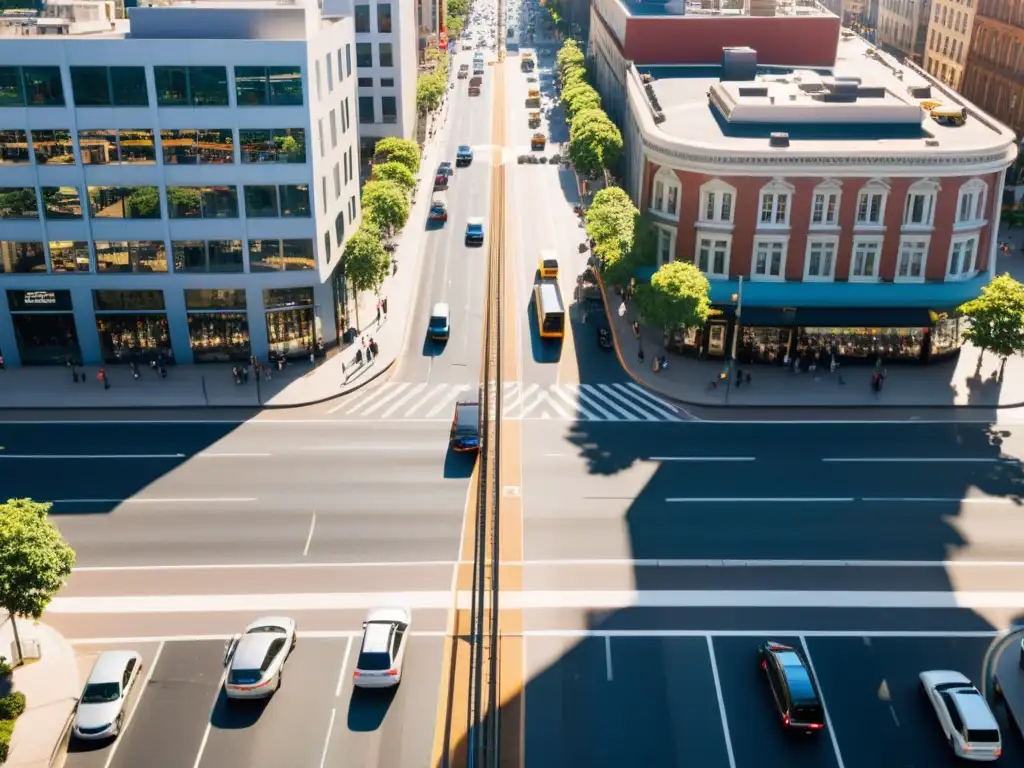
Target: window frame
905,242
962,274
876,240
712,236
667,182
864,196
713,193
813,240
829,190
928,190
782,240
782,195
977,191
671,233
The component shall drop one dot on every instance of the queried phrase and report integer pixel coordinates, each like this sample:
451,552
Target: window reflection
138,256
11,93
290,323
21,257
184,202
90,87
218,337
225,256
298,254
62,203
137,146
191,86
276,145
128,86
294,200
262,86
43,86
189,255
214,298
265,255
18,203
214,256
261,201
13,144
98,147
134,337
69,256
124,202
192,146
220,202
53,147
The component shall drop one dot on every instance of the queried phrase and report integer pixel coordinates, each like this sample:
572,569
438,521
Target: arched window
919,208
970,204
776,203
871,200
665,193
717,203
825,204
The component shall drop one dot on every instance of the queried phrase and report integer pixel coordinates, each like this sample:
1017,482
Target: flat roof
699,106
719,8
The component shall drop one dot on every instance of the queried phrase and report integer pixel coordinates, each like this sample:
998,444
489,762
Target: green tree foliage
404,151
144,202
454,25
18,203
458,7
594,141
385,205
569,56
643,253
397,173
366,261
611,222
430,90
677,297
34,560
997,318
579,97
574,77
185,198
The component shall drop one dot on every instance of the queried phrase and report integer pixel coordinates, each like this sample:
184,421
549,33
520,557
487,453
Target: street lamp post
737,299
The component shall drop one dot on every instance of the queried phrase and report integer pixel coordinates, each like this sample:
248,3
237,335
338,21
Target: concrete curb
60,749
772,407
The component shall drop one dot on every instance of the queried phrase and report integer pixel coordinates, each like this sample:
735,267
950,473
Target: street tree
611,222
34,561
366,261
996,319
594,141
458,7
396,173
404,151
430,90
454,25
385,205
678,296
568,56
579,97
573,76
643,253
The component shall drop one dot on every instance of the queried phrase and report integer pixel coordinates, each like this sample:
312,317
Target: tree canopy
397,173
404,151
366,261
34,559
430,90
385,204
677,297
574,76
997,318
569,56
611,222
594,141
579,97
458,7
643,253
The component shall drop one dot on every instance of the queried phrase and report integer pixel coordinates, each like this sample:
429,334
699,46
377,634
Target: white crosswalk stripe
398,401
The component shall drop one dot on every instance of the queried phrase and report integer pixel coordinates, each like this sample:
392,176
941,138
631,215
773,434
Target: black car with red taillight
792,686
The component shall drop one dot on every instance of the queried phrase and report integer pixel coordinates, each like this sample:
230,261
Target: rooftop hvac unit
778,139
739,64
762,7
920,91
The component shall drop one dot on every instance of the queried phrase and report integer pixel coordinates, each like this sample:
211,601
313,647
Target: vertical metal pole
731,367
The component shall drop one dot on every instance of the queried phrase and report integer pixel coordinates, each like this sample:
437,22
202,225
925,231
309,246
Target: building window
364,55
713,254
384,18
775,204
362,19
717,203
330,74
332,118
866,254
18,203
913,255
191,86
61,203
268,86
202,202
320,135
871,204
191,146
666,245
336,171
387,55
825,205
339,228
970,205
366,113
364,82
820,262
14,145
665,194
278,255
348,59
124,203
294,200
261,201
919,209
223,256
22,258
963,252
389,109
769,258
109,86
387,82
137,256
69,256
273,145
111,147
31,86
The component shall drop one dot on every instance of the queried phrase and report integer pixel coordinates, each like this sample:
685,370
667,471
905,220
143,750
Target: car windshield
982,737
374,662
438,322
100,693
268,628
244,676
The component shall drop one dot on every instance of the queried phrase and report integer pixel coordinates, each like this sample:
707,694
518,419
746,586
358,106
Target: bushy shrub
6,729
12,705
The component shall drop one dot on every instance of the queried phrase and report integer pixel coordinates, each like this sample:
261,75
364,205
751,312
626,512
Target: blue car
464,155
475,231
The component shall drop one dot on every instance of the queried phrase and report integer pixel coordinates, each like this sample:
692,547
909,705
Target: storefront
132,326
44,326
339,291
291,321
218,327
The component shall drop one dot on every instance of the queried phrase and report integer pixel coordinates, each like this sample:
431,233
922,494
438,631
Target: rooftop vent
931,142
749,93
778,139
739,64
920,91
871,92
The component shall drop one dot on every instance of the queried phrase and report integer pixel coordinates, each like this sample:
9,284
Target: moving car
463,71
465,432
440,181
101,708
547,264
385,636
475,231
463,155
446,168
537,142
438,209
440,322
478,67
255,659
965,717
604,337
796,696
474,85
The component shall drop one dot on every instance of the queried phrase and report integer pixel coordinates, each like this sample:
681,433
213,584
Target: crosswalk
557,402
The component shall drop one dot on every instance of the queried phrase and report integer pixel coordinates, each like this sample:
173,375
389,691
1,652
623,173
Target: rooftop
729,8
866,99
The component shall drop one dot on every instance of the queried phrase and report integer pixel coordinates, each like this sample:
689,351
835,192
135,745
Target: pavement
51,687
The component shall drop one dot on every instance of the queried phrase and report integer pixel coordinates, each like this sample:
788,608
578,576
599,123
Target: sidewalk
195,386
51,686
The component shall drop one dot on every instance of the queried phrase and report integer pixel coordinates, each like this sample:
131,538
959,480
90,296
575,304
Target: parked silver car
101,708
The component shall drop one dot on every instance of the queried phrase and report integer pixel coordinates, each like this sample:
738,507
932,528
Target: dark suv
465,434
796,696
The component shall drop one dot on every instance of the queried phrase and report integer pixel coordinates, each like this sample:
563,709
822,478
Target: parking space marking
824,706
344,663
209,724
330,730
142,692
608,658
721,703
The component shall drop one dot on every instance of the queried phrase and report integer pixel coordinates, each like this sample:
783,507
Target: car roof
109,666
440,309
974,711
252,649
464,147
376,636
475,221
797,676
283,622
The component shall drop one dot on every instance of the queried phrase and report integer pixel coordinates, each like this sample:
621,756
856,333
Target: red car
438,210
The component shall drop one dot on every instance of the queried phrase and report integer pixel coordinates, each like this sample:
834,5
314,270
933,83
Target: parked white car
102,706
965,717
255,659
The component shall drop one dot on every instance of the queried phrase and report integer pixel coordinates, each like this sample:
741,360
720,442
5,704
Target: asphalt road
181,719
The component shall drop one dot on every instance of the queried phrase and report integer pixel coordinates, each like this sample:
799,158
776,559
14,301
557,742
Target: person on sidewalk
378,313
102,378
384,306
373,347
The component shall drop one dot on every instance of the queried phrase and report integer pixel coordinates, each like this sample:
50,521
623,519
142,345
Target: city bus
527,63
547,301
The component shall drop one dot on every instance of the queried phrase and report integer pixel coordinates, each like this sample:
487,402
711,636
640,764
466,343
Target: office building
180,183
949,39
903,27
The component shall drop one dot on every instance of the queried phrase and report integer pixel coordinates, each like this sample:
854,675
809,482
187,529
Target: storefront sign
39,301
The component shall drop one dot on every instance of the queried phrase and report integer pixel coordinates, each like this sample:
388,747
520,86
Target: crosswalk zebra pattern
557,402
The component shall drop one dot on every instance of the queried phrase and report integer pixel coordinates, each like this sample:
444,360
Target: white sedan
382,653
255,659
965,717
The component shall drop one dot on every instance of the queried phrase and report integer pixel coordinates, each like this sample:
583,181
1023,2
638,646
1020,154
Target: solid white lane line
327,741
131,715
309,538
207,455
895,719
752,500
608,658
215,500
447,402
209,722
262,566
824,706
89,457
403,400
721,703
384,399
940,500
702,458
344,664
906,460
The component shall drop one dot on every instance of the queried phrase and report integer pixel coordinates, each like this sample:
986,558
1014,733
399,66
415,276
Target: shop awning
837,317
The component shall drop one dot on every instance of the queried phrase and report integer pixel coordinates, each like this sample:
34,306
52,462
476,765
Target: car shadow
458,465
233,714
433,347
367,708
87,746
434,225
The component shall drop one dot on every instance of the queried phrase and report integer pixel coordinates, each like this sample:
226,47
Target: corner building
788,152
181,183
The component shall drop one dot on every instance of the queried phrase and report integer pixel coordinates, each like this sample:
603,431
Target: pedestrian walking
640,355
373,347
378,312
739,378
245,374
135,370
102,378
384,306
236,375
